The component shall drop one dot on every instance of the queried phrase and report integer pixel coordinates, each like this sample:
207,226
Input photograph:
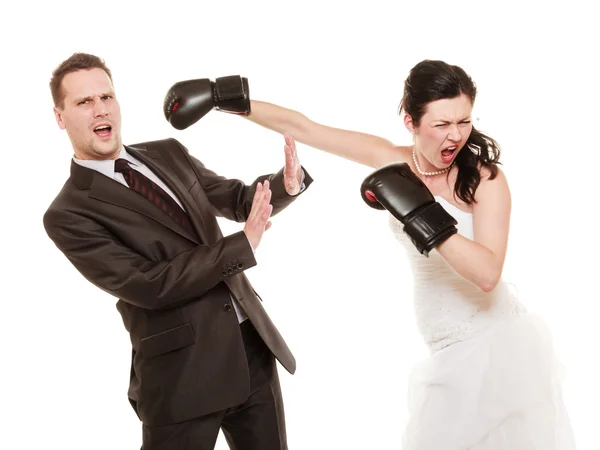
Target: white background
333,278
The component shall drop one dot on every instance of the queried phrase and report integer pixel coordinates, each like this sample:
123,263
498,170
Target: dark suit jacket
173,288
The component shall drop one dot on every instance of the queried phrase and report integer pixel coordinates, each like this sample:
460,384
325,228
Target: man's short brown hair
77,61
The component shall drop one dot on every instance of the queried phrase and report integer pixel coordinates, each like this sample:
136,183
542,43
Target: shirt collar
106,167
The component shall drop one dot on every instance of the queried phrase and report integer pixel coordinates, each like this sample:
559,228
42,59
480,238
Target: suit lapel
104,189
165,172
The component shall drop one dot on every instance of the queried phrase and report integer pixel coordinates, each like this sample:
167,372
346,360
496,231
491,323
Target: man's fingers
255,200
266,213
261,207
289,139
290,142
261,191
290,156
257,192
264,200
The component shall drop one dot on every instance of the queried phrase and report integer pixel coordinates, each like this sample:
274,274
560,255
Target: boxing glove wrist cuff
231,94
429,227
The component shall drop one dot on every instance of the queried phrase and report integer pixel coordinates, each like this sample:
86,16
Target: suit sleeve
123,273
232,198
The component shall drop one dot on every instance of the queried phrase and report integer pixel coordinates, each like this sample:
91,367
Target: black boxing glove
188,101
396,188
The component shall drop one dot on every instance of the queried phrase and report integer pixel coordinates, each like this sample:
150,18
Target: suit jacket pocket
167,341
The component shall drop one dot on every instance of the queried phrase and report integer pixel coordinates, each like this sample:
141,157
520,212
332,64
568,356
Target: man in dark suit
140,223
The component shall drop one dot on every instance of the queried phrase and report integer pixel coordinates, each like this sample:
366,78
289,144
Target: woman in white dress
491,381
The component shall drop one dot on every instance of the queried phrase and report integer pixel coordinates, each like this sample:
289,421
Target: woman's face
443,131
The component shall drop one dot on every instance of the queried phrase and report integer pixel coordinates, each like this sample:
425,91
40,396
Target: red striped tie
151,191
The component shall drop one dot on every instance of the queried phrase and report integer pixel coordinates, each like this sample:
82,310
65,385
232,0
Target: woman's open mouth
448,154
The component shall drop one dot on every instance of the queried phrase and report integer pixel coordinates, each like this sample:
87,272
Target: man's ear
58,117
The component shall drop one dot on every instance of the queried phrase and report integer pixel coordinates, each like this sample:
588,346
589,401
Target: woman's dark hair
435,80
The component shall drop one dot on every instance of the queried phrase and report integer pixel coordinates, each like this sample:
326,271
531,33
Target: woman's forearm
473,261
362,148
279,119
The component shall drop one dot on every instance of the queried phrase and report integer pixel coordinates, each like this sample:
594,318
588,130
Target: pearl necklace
428,174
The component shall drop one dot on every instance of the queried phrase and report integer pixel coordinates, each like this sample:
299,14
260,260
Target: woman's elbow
489,282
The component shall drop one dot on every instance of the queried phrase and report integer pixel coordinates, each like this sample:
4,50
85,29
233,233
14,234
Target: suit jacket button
224,272
240,266
227,307
230,270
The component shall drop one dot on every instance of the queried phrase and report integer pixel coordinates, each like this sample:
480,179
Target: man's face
90,114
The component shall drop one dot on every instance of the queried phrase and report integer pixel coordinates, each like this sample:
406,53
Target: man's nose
100,109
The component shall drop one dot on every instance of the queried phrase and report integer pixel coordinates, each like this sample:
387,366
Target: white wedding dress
491,381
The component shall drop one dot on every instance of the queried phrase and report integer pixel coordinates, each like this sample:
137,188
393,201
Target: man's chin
107,151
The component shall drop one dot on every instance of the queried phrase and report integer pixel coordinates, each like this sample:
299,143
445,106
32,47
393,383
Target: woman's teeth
448,153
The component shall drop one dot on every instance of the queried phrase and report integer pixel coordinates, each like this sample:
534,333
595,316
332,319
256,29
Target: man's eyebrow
90,97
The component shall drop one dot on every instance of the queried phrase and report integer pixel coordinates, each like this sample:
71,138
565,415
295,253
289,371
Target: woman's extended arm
362,148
